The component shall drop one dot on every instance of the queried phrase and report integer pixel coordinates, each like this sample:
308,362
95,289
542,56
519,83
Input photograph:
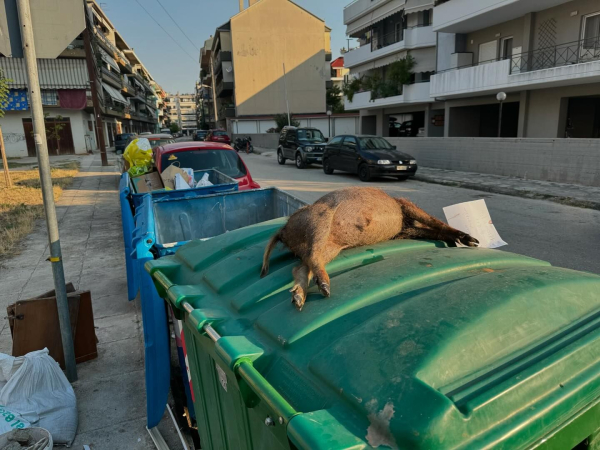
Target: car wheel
403,178
280,159
300,164
326,167
364,173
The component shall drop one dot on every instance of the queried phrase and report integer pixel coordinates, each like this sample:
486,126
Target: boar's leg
318,259
302,277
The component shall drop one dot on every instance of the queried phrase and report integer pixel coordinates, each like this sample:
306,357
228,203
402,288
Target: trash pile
35,392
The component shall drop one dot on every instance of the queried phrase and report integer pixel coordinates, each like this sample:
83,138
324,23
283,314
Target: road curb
569,201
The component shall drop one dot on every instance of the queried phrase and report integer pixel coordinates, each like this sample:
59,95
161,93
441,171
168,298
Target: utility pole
94,85
287,104
41,147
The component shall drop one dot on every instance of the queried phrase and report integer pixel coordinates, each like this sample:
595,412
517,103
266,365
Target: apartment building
545,55
245,66
181,109
338,72
129,96
390,31
205,109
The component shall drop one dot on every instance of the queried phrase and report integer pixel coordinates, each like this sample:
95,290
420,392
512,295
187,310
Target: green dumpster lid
419,345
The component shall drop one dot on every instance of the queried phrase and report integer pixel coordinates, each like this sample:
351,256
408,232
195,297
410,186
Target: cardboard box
147,183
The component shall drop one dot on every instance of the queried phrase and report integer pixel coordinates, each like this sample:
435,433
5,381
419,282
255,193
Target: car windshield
159,142
201,133
311,135
372,143
225,161
219,133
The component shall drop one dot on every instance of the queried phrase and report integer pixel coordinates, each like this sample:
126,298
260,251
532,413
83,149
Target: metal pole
500,121
41,146
91,68
5,161
286,96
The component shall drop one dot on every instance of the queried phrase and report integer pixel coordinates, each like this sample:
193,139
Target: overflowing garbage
138,156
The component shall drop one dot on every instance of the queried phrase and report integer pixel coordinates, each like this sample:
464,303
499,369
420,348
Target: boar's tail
270,246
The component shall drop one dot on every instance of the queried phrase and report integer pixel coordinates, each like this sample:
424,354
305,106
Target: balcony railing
577,52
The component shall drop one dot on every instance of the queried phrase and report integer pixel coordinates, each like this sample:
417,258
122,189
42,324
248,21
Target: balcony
413,93
465,16
412,38
52,73
565,64
359,8
229,111
111,78
224,89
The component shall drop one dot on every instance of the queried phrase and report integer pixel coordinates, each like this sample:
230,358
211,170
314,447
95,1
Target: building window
49,97
591,32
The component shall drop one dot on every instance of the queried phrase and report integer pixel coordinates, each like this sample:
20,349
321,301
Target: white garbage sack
180,183
203,181
35,392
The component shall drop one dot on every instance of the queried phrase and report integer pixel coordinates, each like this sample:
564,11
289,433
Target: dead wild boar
348,218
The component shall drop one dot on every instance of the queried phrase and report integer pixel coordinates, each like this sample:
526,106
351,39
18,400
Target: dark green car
302,145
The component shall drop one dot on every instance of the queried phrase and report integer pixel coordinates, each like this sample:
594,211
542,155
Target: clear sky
170,66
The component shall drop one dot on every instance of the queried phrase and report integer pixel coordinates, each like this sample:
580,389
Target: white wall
344,125
14,134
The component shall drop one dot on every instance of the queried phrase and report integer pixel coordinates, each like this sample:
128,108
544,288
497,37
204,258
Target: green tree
174,128
53,129
400,71
282,121
334,99
4,90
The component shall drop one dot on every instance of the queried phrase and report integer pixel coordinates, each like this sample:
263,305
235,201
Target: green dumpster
419,346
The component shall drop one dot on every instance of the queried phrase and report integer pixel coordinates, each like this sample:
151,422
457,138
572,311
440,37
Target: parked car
200,135
145,133
121,141
155,139
303,145
410,128
205,155
218,136
368,156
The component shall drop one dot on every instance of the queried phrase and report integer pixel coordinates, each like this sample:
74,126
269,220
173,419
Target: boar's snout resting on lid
348,218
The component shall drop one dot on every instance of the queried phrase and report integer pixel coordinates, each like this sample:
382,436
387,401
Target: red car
218,136
203,156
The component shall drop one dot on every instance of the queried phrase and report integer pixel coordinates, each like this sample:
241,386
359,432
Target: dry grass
21,205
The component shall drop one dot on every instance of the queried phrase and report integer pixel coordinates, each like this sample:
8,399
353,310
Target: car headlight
384,161
413,161
308,149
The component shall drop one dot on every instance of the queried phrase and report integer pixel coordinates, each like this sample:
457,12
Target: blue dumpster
161,227
130,201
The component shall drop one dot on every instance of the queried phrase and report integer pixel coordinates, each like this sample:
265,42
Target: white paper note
474,218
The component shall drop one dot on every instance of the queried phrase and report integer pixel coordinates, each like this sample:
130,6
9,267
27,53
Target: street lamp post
500,97
329,120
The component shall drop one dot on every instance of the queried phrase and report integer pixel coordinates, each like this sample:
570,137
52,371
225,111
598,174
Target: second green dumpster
419,346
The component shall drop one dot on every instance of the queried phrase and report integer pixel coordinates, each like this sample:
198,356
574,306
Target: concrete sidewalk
111,389
566,194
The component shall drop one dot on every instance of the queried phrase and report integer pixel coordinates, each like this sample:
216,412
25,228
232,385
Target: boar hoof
298,301
324,288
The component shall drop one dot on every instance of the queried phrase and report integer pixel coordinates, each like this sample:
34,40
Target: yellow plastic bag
139,156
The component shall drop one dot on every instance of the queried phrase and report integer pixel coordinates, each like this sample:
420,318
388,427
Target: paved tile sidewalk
568,194
111,389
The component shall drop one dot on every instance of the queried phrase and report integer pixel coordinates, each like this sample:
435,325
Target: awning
376,15
114,94
140,85
414,6
109,60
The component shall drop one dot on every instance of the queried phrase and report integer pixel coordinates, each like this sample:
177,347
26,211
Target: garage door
320,124
246,127
345,125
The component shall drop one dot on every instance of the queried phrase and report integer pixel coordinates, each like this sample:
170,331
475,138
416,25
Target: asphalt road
563,235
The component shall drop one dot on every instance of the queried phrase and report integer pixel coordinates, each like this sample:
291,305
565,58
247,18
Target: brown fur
349,218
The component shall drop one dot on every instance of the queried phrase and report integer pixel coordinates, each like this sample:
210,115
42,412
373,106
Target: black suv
303,145
200,135
121,141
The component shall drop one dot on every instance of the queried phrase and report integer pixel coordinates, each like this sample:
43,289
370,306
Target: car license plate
401,167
